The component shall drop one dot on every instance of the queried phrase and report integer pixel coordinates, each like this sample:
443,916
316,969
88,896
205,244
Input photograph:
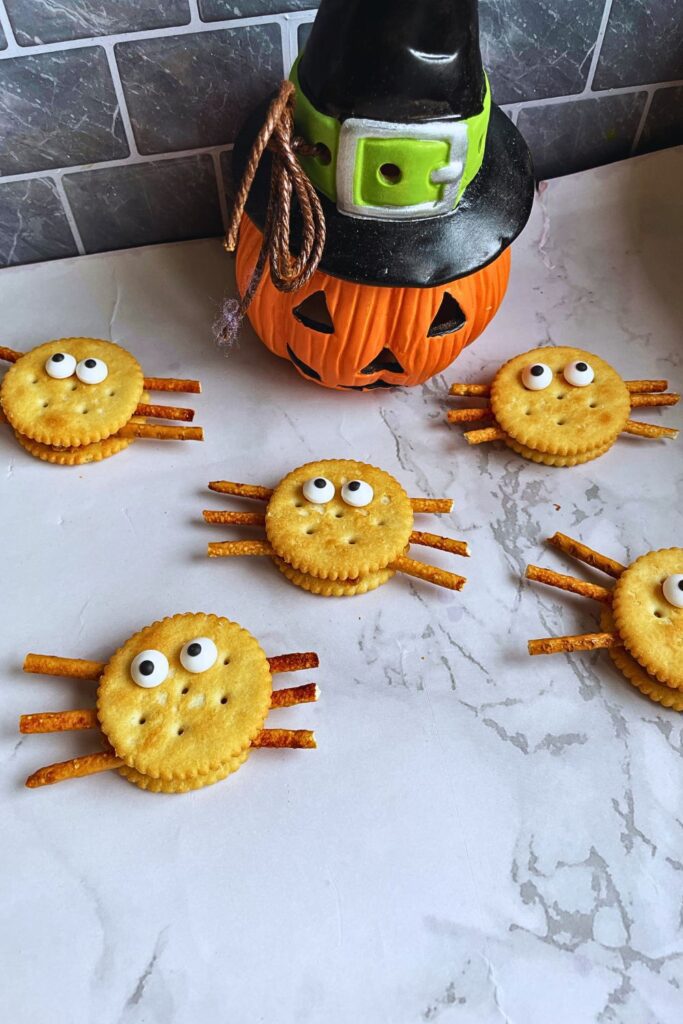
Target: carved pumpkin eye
313,313
449,318
672,588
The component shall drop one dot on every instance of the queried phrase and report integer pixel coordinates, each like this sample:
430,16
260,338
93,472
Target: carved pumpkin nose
386,361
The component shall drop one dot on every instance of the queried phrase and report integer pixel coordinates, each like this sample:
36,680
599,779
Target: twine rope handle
289,272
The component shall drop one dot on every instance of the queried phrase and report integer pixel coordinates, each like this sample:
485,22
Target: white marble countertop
480,836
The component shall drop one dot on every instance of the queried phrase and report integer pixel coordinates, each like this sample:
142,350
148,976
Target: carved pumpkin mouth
308,371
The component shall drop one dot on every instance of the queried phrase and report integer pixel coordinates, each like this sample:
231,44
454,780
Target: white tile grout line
641,123
220,183
68,212
6,26
598,45
121,100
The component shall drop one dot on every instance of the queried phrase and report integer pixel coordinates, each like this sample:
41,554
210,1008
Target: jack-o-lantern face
360,337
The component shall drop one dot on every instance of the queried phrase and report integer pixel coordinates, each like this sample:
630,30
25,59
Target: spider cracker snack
337,527
79,400
179,706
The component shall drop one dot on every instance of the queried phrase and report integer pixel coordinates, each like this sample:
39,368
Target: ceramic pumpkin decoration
422,184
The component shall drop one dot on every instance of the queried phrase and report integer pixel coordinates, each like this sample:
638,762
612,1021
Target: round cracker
336,541
334,588
69,413
561,419
651,628
94,452
636,674
186,785
181,729
557,460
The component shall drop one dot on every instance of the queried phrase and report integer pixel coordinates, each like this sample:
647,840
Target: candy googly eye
199,655
537,377
357,493
319,490
579,374
672,588
92,371
149,668
60,365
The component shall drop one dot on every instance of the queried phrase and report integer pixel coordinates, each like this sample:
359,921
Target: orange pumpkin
346,335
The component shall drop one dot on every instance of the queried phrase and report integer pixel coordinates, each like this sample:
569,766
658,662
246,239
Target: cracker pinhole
568,583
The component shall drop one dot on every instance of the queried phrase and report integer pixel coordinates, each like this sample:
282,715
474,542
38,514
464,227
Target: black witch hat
422,179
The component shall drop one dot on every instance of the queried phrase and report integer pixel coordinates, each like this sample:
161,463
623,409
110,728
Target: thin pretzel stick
9,355
69,668
486,434
294,738
570,583
76,768
429,573
469,415
567,644
241,490
470,390
640,387
293,662
161,432
431,504
294,695
188,387
59,721
235,518
648,430
234,548
638,401
433,540
165,412
585,554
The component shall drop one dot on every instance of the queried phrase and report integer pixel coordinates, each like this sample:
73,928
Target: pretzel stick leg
69,668
241,490
641,387
649,430
161,432
293,662
470,390
165,412
585,554
429,573
59,721
9,355
234,518
294,695
433,540
431,504
187,387
469,415
302,739
235,548
638,401
570,583
76,768
567,644
484,435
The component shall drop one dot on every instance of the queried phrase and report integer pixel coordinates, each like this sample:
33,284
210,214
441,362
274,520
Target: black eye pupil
58,357
90,363
582,367
354,485
320,482
194,649
537,370
146,667
680,584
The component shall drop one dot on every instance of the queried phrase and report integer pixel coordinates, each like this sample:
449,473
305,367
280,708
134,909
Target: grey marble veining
216,10
571,136
50,21
162,201
193,90
537,48
643,43
664,122
33,226
58,109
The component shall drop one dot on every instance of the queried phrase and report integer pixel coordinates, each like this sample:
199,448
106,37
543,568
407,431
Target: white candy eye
319,490
672,588
537,377
199,654
357,493
579,374
92,371
149,668
60,365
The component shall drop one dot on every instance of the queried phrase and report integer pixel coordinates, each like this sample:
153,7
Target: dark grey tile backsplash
117,116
